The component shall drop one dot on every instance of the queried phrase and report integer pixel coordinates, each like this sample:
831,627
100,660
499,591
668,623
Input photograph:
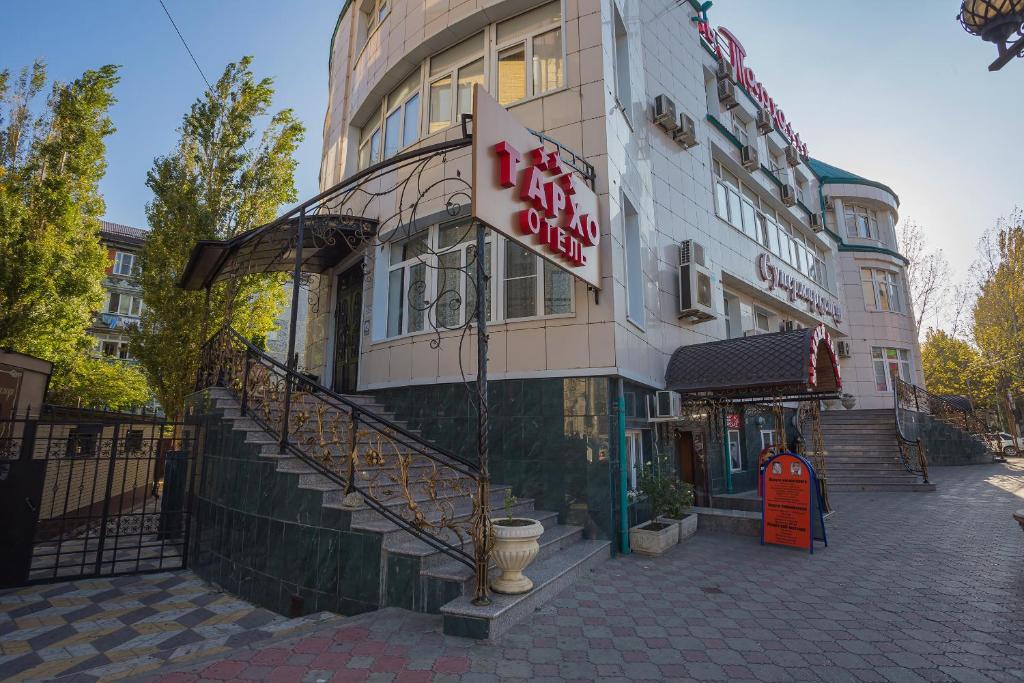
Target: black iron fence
90,493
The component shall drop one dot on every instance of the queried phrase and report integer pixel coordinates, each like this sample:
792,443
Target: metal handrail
384,429
938,406
921,466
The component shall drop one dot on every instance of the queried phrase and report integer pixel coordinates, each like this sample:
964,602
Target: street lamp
996,21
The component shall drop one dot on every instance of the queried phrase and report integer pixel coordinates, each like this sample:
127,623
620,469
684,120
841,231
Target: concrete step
460,512
431,559
550,577
880,486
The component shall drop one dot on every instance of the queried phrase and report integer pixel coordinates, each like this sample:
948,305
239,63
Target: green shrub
668,497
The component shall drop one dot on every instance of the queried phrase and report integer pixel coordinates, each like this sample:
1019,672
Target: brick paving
914,587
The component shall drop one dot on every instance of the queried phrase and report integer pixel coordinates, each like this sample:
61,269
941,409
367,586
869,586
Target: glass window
535,21
469,75
622,76
735,452
392,133
402,116
557,289
547,62
440,104
411,129
512,74
881,290
634,265
888,362
124,263
861,222
635,455
520,281
762,321
456,55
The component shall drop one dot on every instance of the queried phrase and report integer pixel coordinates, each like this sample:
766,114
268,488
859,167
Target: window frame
855,212
880,360
635,457
622,92
733,469
452,73
496,250
119,258
633,276
882,280
528,40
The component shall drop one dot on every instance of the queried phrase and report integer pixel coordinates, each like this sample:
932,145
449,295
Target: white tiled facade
377,45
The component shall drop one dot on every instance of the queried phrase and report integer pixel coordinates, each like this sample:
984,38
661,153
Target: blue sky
895,91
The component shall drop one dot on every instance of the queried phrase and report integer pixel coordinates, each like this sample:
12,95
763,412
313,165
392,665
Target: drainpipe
725,452
623,467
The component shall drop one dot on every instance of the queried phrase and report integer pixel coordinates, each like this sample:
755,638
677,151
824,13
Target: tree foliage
999,308
52,158
222,179
953,366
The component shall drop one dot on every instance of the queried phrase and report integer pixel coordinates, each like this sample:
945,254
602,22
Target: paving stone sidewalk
914,587
110,628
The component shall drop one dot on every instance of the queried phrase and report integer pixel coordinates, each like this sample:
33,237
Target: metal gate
90,493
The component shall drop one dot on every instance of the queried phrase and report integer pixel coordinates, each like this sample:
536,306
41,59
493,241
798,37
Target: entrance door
690,458
347,314
687,466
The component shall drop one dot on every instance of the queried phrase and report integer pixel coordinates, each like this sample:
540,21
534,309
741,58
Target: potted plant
659,534
671,501
515,547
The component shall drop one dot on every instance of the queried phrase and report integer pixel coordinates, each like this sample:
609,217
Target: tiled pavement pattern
115,627
915,586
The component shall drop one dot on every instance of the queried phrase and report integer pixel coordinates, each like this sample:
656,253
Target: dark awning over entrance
328,238
797,365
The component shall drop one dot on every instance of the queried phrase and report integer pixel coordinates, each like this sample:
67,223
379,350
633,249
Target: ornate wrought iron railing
438,496
912,397
912,453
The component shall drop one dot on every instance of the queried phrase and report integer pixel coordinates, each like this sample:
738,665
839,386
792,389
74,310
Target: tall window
535,39
115,349
635,456
369,145
431,281
861,222
402,116
735,452
124,304
371,15
622,82
889,362
739,205
634,264
739,129
452,76
124,263
881,290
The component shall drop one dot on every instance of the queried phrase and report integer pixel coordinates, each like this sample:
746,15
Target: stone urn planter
687,524
849,401
515,547
654,537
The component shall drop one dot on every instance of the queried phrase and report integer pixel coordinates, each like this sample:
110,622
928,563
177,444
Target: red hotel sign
745,77
523,191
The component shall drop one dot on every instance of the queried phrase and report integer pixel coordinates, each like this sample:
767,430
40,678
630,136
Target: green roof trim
829,174
843,246
725,131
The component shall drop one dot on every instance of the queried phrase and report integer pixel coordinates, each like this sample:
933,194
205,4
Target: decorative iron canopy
327,239
800,365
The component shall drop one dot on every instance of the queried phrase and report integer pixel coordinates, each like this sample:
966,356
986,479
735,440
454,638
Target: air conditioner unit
748,157
843,348
830,203
695,291
788,194
765,122
792,155
668,405
665,113
817,225
724,71
686,134
691,252
727,93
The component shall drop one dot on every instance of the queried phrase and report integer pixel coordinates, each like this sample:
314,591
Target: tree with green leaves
954,367
222,179
52,158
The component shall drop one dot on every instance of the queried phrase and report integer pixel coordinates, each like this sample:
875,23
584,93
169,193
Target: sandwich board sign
791,510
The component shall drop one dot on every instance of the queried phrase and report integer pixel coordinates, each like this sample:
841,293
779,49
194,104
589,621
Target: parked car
1001,441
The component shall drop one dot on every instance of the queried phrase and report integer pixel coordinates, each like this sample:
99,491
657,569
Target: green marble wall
259,536
550,439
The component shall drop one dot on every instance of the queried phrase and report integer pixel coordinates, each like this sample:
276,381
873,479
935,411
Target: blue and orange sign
790,502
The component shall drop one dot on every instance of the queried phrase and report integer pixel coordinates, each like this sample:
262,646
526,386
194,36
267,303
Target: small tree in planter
671,500
668,500
515,547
